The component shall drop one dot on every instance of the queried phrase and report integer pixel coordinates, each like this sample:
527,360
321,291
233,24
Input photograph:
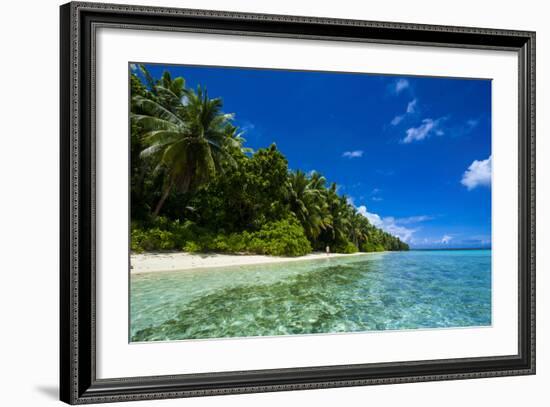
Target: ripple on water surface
382,291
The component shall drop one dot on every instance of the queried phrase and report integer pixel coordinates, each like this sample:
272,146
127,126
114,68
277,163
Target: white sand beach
157,262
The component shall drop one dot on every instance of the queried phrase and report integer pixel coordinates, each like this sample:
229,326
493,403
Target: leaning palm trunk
165,194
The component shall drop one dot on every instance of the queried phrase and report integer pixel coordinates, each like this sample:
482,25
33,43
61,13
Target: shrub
237,242
280,238
345,247
136,237
151,240
372,247
161,234
191,247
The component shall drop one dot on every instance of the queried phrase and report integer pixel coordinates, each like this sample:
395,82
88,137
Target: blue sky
413,154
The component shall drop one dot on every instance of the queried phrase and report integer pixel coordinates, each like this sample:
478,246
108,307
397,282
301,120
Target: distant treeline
196,187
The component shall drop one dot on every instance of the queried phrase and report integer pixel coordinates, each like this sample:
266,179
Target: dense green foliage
284,237
196,188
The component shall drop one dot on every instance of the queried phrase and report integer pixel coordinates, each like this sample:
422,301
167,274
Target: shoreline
182,261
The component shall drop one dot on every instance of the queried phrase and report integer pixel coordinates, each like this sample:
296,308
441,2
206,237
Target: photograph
267,202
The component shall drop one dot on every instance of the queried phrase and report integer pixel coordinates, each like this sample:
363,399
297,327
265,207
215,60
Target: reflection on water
399,290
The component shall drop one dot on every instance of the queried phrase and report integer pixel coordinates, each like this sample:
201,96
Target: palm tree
339,210
358,230
185,132
307,202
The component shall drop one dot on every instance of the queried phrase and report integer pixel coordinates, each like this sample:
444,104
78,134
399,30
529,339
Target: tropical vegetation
196,187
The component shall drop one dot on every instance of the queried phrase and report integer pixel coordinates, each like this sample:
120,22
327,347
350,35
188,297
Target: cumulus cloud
373,218
446,239
390,224
362,210
400,85
397,119
411,108
478,174
426,129
353,154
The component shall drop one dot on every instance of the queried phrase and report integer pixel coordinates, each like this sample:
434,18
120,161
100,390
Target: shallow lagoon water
371,292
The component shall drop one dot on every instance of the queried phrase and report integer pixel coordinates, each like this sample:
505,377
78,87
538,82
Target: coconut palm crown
186,131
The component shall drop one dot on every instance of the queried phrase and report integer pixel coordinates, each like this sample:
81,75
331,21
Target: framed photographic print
255,203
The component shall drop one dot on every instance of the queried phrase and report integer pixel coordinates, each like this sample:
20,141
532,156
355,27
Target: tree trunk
162,199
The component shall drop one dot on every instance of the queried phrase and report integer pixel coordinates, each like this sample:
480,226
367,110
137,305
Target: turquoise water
371,292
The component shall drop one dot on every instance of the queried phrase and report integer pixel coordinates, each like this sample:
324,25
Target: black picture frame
78,382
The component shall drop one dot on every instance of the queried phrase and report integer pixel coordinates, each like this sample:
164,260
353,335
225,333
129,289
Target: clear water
371,292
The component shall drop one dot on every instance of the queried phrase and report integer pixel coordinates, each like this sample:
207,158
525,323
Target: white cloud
463,128
402,232
353,154
362,210
446,239
375,195
414,219
372,217
397,119
247,126
452,241
388,224
423,131
411,106
478,174
400,85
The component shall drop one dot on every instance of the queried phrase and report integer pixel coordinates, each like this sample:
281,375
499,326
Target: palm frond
151,123
151,108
